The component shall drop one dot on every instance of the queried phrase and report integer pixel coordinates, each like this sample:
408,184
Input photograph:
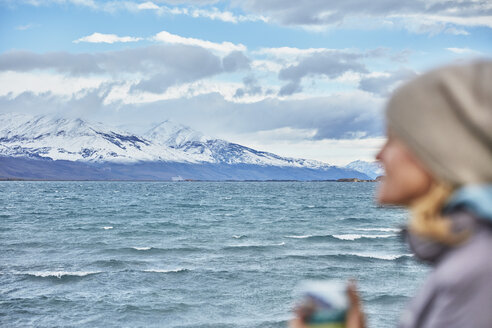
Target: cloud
189,67
322,128
340,116
212,13
15,83
456,31
161,65
333,13
438,15
344,115
143,59
74,64
251,87
169,38
463,51
331,64
225,16
288,51
83,3
234,61
106,38
24,27
384,84
147,6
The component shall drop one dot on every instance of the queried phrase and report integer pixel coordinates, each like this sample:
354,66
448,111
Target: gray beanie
445,118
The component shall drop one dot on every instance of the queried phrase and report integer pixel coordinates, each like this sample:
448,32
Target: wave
379,229
386,257
58,274
253,246
239,236
389,299
167,270
142,248
356,236
153,250
107,228
355,219
113,263
300,236
351,256
314,237
339,237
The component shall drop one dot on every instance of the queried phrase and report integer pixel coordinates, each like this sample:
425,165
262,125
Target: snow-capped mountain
210,150
169,148
372,169
76,140
174,135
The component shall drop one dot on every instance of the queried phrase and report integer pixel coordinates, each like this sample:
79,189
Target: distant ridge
43,147
372,169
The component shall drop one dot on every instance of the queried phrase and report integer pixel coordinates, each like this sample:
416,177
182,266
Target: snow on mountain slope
372,169
174,135
78,140
74,140
211,150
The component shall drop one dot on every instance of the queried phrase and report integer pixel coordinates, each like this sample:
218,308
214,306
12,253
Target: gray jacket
458,292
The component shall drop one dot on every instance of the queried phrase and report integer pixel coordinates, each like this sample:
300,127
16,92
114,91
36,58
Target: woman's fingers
355,316
297,323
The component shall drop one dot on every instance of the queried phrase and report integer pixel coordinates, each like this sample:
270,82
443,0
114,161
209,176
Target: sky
307,79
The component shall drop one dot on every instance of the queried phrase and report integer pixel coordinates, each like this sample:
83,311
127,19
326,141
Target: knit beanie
445,119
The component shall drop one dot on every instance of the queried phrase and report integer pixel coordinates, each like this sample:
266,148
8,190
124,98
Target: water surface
193,254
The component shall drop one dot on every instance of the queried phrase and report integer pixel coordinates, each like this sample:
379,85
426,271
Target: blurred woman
438,163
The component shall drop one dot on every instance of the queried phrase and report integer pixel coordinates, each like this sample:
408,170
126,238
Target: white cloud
289,51
15,83
212,13
456,31
464,21
266,65
225,16
147,6
227,90
436,24
291,142
106,38
223,47
23,27
463,51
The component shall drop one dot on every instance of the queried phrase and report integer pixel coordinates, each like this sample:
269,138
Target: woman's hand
355,316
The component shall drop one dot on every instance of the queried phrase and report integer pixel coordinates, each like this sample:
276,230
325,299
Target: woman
438,163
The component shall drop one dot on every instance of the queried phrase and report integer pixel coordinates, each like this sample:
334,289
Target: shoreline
180,181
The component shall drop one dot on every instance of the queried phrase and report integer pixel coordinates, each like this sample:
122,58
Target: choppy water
218,254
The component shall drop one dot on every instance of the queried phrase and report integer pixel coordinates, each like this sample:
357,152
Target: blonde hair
427,219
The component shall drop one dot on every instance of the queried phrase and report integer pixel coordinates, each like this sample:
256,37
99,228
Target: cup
323,303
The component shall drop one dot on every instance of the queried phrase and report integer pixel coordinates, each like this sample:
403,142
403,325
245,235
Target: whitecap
379,229
239,236
166,270
258,245
107,228
387,257
299,237
142,248
59,274
356,236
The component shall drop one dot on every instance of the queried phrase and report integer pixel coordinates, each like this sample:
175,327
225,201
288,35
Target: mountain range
45,147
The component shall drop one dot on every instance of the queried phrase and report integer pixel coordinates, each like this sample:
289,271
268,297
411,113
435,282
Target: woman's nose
378,155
